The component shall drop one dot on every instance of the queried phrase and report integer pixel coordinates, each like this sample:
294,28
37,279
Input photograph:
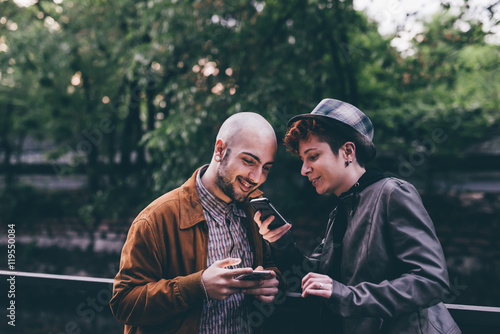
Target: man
173,276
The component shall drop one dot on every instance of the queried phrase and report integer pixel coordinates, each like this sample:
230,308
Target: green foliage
135,91
450,83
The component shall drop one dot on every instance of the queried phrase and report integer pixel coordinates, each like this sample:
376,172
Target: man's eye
266,168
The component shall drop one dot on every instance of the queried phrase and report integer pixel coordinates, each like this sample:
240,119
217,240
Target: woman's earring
217,158
348,162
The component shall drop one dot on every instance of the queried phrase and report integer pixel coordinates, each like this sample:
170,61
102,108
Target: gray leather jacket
393,271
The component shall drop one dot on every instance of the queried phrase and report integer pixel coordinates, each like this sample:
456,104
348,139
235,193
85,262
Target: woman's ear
349,149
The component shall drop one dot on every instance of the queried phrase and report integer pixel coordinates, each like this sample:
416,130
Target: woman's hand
317,285
267,234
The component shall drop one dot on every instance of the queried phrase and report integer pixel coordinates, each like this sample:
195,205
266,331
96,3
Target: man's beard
224,183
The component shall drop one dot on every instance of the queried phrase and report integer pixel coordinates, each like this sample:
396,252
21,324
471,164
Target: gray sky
391,16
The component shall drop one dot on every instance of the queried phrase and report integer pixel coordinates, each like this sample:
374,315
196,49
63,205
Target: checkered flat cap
345,117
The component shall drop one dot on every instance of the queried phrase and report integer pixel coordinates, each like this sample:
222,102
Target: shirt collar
208,200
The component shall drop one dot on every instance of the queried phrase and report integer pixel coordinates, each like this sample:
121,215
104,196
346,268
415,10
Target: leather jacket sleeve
293,264
419,275
141,296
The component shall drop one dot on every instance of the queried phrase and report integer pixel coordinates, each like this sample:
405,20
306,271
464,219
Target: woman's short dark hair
334,137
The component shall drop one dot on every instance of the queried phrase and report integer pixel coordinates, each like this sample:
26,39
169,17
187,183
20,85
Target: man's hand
267,234
317,285
267,290
220,283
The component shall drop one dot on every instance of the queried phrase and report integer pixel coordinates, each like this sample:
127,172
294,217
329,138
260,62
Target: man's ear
219,149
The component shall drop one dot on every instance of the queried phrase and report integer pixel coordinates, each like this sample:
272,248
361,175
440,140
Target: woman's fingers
274,235
317,285
267,234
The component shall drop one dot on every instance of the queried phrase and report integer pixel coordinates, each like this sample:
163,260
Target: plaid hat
347,118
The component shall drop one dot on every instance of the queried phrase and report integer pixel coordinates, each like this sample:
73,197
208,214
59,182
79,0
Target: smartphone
267,209
254,276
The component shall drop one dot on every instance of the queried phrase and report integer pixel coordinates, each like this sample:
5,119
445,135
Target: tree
133,92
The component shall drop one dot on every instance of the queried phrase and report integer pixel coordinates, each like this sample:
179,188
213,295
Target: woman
380,267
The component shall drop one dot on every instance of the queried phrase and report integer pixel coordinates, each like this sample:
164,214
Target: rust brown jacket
158,286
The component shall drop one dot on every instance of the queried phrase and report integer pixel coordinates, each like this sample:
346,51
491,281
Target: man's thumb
230,261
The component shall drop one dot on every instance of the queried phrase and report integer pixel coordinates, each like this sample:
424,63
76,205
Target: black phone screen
267,209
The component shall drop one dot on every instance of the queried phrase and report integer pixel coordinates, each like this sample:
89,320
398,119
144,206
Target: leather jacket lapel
328,247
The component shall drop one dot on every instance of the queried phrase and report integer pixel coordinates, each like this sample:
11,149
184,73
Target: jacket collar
368,178
350,198
190,208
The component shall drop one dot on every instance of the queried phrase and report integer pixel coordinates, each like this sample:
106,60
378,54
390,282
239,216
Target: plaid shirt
227,237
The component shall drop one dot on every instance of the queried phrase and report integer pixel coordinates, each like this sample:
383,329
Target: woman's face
325,170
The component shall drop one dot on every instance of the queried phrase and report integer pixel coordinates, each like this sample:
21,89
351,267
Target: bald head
246,126
243,155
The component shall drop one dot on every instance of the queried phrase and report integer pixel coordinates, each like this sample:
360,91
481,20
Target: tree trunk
92,159
9,177
131,131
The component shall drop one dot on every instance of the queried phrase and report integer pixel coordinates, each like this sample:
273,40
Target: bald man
183,251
